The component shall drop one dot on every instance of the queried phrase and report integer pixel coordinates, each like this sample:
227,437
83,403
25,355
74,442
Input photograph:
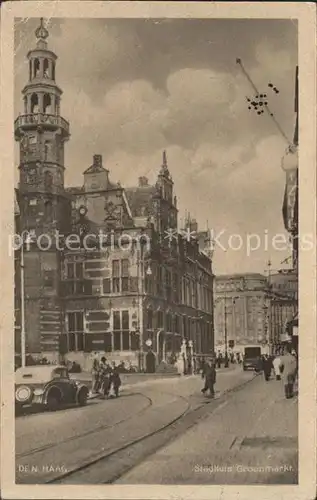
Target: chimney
97,160
143,181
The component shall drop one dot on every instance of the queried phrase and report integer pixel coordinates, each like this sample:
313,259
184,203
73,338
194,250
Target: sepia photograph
157,249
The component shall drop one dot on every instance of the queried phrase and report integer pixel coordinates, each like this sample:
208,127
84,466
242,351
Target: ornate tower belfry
42,133
41,130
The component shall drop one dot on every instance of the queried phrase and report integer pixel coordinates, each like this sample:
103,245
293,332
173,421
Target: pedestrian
258,364
267,367
210,377
277,367
219,359
226,360
95,376
104,373
114,380
288,369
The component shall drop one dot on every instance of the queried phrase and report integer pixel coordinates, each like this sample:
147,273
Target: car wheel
82,398
52,402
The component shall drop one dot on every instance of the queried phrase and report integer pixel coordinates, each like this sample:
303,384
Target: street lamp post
225,328
226,333
140,290
23,339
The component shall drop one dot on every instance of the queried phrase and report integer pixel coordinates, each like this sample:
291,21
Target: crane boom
269,112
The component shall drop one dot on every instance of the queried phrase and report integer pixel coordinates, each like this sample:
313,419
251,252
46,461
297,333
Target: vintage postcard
158,256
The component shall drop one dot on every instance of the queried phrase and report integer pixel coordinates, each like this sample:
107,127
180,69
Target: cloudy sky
133,88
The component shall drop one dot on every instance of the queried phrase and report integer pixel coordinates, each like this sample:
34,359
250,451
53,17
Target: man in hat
209,374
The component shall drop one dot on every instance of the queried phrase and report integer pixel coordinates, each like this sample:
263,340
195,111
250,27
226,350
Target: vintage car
48,386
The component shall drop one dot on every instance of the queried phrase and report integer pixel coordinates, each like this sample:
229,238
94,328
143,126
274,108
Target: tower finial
164,159
164,168
41,32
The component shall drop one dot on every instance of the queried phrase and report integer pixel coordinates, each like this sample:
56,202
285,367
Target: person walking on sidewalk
277,367
267,367
219,359
210,377
289,370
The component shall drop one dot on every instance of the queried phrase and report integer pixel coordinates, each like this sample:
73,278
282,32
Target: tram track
107,465
49,446
103,457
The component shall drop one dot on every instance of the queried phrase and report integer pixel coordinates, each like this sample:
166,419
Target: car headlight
23,393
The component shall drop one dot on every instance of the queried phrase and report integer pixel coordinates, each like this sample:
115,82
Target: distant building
241,310
283,304
123,278
257,311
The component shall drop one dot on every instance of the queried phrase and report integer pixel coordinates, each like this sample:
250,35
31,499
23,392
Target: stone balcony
23,122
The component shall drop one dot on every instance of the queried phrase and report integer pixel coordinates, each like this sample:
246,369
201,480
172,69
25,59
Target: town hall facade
113,272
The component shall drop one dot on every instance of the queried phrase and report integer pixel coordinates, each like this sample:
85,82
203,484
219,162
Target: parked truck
251,358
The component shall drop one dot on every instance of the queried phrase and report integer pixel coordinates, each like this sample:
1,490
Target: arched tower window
48,180
36,67
46,68
58,105
47,104
47,150
30,70
53,70
34,103
48,210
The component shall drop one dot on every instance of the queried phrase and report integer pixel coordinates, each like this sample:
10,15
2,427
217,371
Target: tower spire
41,34
164,159
164,168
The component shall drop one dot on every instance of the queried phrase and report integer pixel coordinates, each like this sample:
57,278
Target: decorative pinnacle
41,32
164,159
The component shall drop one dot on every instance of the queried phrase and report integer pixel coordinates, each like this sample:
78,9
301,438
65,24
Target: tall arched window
30,69
36,67
48,180
46,69
58,104
47,104
47,150
48,210
53,71
34,103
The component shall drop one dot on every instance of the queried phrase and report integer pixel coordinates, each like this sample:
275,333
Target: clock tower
45,208
42,133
